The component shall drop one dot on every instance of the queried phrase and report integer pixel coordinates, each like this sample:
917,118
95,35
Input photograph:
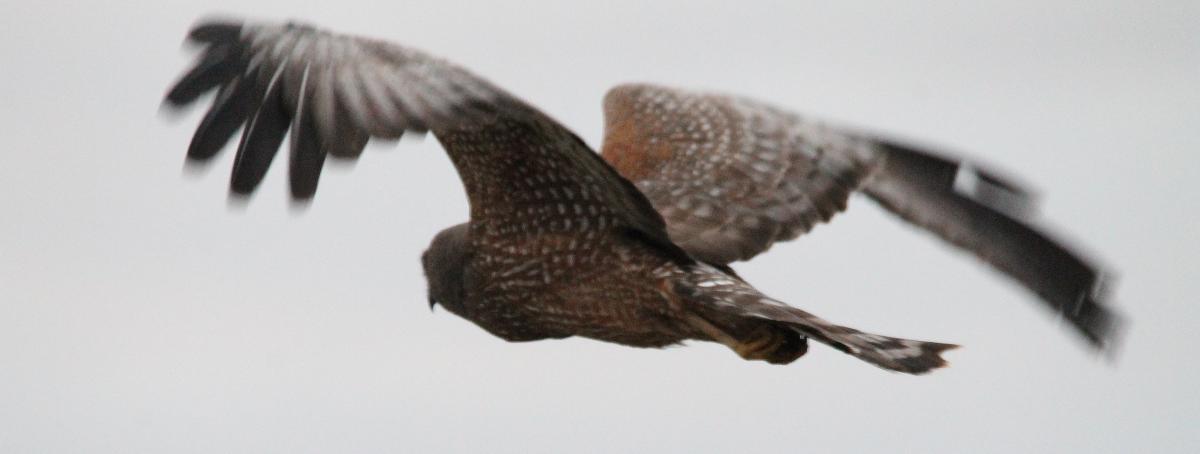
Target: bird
632,245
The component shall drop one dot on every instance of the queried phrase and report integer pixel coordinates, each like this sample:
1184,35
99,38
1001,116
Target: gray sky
141,313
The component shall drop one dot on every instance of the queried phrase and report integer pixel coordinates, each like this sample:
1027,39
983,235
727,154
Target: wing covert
730,175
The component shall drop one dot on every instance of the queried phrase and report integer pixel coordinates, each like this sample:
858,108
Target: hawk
630,246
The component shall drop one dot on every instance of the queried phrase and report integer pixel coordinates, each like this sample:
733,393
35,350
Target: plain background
140,312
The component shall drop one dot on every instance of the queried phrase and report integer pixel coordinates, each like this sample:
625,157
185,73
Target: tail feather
892,353
716,291
988,216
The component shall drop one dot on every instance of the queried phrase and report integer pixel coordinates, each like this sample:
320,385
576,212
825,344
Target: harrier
631,246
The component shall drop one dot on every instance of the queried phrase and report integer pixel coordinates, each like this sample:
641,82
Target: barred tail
900,355
716,291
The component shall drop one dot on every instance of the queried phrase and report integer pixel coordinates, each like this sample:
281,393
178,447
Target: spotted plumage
732,176
562,242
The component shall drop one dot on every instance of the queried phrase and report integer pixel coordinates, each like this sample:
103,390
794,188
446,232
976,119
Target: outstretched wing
732,176
976,214
334,91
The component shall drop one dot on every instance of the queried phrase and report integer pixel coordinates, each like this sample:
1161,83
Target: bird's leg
759,345
714,333
766,343
773,345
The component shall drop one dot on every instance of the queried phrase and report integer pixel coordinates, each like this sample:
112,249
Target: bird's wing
732,176
975,213
334,92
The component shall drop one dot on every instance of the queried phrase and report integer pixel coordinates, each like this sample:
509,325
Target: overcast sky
140,312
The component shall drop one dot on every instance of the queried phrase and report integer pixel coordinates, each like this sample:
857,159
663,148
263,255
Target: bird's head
444,264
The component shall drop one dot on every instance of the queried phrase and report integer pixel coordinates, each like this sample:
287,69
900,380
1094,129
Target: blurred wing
731,176
333,92
976,213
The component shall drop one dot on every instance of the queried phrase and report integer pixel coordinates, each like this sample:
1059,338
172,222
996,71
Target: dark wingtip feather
982,187
215,31
348,146
215,67
980,183
237,201
346,140
260,141
1100,326
921,190
304,168
307,157
229,111
299,206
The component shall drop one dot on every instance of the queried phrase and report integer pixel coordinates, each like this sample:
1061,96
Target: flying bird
632,245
